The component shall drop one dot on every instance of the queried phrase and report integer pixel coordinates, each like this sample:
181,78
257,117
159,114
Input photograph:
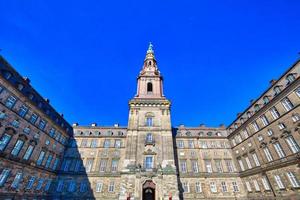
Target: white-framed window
186,187
219,166
94,143
17,180
41,158
5,139
265,183
268,154
270,132
279,182
241,164
248,186
183,166
281,126
274,112
264,120
111,186
248,162
30,183
255,126
256,160
72,186
106,144
233,142
89,165
287,104
180,144
292,144
260,138
224,186
208,166
256,186
198,187
229,165
17,148
3,176
294,181
195,166
279,150
99,186
10,102
296,117
213,187
103,165
60,186
191,144
235,187
114,165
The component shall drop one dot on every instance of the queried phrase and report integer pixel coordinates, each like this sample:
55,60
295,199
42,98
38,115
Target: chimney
222,126
272,81
202,125
75,124
116,125
47,100
94,124
26,79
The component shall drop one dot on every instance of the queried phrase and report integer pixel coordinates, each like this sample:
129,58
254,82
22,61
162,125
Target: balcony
150,142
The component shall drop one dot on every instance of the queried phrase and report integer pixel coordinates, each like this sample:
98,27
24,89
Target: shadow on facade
72,181
180,188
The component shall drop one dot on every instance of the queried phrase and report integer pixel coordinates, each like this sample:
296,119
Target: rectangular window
224,186
4,141
72,186
99,186
296,117
291,142
103,165
106,144
15,123
195,166
48,184
180,144
17,180
264,120
256,160
213,187
186,187
114,165
89,165
83,187
94,143
198,187
191,144
219,166
52,132
279,182
40,184
77,165
229,165
265,183
281,126
42,124
23,111
235,187
149,121
293,180
17,148
241,164
10,102
30,183
117,143
245,133
248,162
248,186
287,104
256,186
60,186
183,166
55,165
33,118
275,113
3,176
255,126
279,150
66,165
268,154
111,187
149,162
48,161
270,132
28,152
208,166
41,158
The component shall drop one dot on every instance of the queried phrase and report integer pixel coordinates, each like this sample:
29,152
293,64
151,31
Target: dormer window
290,78
266,100
277,90
20,87
256,107
248,114
149,87
7,75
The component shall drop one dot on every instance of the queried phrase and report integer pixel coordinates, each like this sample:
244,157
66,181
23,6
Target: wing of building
43,157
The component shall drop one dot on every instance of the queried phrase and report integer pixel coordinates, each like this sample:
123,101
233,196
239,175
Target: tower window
149,88
149,121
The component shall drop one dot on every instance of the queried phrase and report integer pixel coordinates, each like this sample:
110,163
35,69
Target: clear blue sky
215,55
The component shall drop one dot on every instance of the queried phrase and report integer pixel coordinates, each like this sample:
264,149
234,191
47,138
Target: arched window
149,137
256,107
149,63
290,78
149,87
277,90
266,99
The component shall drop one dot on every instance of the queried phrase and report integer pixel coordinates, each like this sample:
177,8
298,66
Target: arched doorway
149,190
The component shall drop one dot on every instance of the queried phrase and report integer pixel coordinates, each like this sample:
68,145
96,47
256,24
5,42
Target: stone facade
255,157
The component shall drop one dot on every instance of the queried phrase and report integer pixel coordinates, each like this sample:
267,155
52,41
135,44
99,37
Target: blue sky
215,55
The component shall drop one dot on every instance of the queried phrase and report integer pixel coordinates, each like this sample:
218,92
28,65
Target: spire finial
150,48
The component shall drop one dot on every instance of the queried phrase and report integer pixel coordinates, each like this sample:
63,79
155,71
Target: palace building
43,157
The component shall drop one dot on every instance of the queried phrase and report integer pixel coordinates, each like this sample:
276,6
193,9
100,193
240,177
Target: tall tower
149,166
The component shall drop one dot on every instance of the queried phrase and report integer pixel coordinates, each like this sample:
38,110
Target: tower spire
150,52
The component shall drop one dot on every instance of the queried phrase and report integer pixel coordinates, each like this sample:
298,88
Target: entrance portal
149,190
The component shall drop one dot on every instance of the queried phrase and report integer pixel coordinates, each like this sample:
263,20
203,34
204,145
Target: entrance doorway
149,190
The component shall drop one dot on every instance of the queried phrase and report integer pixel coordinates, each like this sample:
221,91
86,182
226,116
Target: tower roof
150,52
